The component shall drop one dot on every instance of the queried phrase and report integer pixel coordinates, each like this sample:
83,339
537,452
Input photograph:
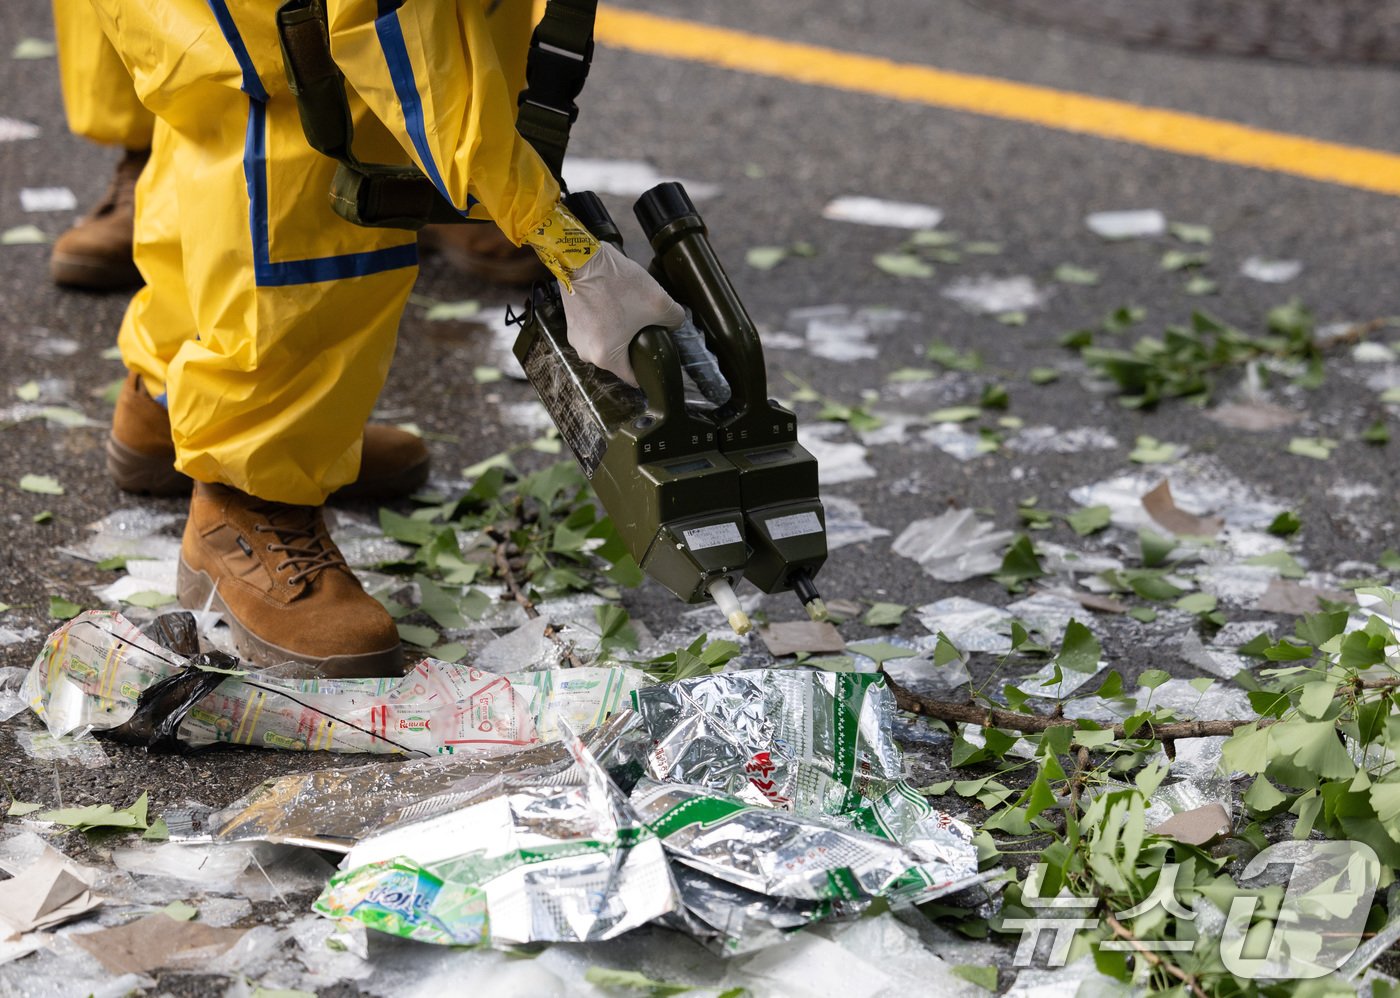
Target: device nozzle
806,590
728,603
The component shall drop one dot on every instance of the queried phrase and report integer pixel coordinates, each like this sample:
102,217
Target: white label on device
701,538
794,526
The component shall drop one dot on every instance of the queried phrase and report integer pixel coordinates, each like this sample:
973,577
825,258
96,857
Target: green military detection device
783,517
703,494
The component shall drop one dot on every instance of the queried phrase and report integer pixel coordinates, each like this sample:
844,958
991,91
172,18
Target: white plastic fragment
14,130
1053,440
1134,224
11,679
1199,485
1267,271
74,751
625,177
47,199
837,461
1371,352
846,524
877,211
954,546
970,625
143,575
130,533
989,295
955,441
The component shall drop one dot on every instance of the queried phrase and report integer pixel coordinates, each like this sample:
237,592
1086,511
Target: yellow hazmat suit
97,94
287,313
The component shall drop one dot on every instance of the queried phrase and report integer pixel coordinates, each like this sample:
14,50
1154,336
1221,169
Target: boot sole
144,474
93,273
197,590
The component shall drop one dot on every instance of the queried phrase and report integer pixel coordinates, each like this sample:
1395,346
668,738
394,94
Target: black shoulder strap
561,53
380,195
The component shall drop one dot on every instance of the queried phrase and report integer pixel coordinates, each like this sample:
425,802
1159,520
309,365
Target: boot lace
300,538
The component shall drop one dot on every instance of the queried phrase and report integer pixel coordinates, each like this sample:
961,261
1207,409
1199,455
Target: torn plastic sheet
332,809
1218,661
846,524
1052,440
806,858
1057,559
955,441
970,625
877,211
892,430
1236,583
1042,682
811,742
130,533
988,295
562,859
255,871
1254,416
9,637
731,920
837,462
1080,979
47,747
1218,701
1199,485
846,959
95,670
954,546
920,675
65,971
332,952
843,334
1046,613
364,545
12,700
143,575
1131,224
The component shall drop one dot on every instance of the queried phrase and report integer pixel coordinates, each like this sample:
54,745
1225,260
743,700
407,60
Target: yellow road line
1156,128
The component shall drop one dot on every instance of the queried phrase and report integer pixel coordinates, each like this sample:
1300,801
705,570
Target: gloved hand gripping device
703,494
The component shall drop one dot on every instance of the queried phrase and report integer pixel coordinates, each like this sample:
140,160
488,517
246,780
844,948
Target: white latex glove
614,299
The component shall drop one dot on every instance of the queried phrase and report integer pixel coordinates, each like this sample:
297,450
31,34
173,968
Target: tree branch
1009,720
1122,932
513,585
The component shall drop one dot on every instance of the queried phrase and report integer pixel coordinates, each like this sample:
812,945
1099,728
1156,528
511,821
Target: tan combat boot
283,586
483,251
95,254
141,455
